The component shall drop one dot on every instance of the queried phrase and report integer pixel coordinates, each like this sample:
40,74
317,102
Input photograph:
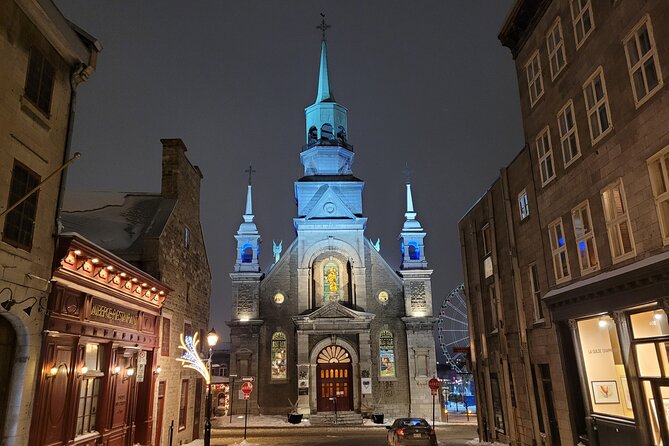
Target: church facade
330,326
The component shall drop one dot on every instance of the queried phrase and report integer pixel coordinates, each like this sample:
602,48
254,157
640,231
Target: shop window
649,324
604,368
559,251
20,221
497,404
279,356
39,81
89,392
586,247
330,281
617,222
386,355
658,168
165,339
642,61
183,405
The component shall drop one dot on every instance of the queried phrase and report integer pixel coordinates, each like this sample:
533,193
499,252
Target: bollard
171,431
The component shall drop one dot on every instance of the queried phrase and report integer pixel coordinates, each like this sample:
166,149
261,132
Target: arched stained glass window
279,356
331,281
333,354
247,253
386,355
414,251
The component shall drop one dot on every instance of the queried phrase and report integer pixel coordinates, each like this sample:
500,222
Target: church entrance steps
346,418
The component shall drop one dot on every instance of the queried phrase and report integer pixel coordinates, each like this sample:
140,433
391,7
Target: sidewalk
281,422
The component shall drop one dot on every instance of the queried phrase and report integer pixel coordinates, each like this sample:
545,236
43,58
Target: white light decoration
190,357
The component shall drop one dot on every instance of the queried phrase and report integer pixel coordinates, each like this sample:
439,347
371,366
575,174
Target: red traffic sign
247,388
434,384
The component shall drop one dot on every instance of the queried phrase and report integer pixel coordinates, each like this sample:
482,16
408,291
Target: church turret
248,238
327,151
412,236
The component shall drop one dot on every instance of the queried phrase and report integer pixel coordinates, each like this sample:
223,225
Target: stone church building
330,322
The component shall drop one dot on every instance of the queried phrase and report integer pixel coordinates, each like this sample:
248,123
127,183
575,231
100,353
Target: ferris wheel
454,329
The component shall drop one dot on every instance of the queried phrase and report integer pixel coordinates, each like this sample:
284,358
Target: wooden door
334,380
159,414
198,409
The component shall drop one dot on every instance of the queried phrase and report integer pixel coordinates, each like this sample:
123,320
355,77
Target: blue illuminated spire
324,92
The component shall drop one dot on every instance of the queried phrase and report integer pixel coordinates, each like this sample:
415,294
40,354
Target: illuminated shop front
617,332
97,369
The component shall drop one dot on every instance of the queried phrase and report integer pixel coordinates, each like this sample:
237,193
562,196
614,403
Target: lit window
658,167
555,46
20,221
39,81
617,222
559,251
585,238
545,154
534,80
642,61
386,355
279,356
487,250
535,288
89,392
597,105
279,298
523,205
581,16
571,149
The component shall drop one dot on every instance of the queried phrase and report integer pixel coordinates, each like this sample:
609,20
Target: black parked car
411,432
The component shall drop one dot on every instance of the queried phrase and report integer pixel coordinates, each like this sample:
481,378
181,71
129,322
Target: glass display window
649,324
604,367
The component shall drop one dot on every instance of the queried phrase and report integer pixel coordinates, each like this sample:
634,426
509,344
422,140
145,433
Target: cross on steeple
250,171
407,173
323,26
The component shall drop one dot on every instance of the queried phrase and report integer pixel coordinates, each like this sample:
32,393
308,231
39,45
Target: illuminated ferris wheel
454,330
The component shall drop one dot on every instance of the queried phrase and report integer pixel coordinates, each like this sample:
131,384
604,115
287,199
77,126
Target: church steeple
248,238
324,92
412,235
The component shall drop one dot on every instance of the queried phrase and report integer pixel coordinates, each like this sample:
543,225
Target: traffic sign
248,378
434,384
247,388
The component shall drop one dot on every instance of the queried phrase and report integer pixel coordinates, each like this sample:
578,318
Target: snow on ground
241,443
256,421
477,442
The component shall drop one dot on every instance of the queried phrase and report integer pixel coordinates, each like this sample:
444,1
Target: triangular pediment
328,204
337,310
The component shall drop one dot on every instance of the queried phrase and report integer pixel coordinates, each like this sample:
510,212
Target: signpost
247,388
434,384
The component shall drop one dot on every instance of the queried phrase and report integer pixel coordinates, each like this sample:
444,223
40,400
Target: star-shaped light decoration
190,357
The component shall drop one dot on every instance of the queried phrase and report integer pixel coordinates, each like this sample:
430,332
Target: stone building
330,325
161,234
44,58
578,230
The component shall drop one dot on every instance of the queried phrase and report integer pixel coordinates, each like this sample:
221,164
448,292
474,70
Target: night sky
426,84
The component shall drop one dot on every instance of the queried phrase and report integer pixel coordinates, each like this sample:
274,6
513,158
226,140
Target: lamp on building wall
10,302
157,371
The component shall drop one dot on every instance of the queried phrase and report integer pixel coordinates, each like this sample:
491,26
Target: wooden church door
334,380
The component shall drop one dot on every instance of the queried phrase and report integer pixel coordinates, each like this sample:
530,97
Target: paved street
452,435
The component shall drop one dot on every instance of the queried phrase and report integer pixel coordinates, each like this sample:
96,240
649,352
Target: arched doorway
7,350
334,379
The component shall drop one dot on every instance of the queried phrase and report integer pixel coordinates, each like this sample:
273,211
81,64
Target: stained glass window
386,354
279,356
330,281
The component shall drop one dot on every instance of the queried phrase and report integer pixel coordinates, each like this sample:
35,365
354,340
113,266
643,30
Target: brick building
44,58
160,233
331,326
566,253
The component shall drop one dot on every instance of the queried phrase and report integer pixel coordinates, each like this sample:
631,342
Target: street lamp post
212,340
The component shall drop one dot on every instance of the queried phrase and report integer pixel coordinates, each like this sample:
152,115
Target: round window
279,298
383,297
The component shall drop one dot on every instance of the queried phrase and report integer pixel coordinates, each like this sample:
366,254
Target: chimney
180,178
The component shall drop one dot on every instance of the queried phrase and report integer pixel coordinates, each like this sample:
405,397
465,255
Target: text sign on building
112,314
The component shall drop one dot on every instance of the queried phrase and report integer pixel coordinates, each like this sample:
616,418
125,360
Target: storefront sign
105,312
141,357
140,372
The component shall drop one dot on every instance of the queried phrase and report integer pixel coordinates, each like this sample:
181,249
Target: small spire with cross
407,173
323,26
250,171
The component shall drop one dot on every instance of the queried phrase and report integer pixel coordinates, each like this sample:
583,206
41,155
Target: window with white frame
534,81
559,251
523,205
487,251
535,288
585,238
597,105
89,392
642,61
617,222
571,148
658,168
581,17
545,153
555,46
